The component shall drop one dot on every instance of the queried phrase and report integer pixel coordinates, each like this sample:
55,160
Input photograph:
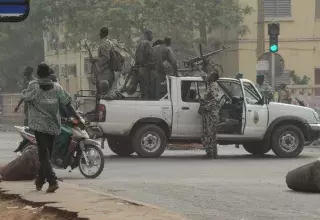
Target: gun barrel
197,59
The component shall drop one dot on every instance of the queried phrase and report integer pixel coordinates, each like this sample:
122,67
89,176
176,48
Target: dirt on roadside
16,210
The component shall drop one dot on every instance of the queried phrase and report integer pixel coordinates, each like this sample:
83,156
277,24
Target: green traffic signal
274,48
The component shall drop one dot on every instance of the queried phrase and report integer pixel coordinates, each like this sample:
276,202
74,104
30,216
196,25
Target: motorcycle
80,150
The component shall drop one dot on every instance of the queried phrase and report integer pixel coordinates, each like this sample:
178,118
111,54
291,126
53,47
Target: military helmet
239,75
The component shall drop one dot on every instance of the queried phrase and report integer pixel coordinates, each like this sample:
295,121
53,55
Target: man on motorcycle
44,99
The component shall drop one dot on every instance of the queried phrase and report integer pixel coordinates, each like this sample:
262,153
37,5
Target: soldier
168,67
104,57
264,89
142,57
239,76
109,94
209,109
141,71
27,79
284,94
160,53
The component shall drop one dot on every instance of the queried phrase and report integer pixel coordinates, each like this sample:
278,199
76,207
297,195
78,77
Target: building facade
299,39
72,67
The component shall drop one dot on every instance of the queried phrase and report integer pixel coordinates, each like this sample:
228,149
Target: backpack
116,61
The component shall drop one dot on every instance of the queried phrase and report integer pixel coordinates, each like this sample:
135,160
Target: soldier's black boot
39,184
53,187
211,155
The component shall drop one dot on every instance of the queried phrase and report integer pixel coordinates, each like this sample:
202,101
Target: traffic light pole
273,70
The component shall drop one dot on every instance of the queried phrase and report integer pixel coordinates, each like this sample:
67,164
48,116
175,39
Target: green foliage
298,80
22,44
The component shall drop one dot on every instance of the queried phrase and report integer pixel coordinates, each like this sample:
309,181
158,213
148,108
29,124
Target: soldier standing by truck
264,89
284,94
209,109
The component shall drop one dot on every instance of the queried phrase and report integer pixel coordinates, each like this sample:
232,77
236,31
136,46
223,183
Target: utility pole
260,30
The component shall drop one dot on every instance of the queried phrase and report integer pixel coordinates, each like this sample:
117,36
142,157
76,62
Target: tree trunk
202,23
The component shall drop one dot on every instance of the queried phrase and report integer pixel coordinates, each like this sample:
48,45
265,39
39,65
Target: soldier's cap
212,73
28,71
104,86
148,32
104,30
261,76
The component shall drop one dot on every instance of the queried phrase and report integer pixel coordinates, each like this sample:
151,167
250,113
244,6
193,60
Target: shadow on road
178,157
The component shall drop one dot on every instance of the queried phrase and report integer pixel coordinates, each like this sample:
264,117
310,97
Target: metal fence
9,102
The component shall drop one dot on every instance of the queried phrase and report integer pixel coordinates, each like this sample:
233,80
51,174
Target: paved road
237,186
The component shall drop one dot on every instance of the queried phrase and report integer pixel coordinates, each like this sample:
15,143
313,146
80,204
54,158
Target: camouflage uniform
161,53
265,90
210,118
285,96
104,57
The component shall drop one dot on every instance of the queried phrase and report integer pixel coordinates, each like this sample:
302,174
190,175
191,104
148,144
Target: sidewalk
89,204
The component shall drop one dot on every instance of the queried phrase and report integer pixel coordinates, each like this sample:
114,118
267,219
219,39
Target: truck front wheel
287,141
120,146
149,141
257,148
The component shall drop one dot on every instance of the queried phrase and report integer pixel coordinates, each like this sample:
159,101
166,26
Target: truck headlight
316,115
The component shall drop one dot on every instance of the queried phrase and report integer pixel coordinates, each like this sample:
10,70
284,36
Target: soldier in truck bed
160,53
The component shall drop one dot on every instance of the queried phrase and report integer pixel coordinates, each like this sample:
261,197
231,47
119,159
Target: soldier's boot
39,184
53,187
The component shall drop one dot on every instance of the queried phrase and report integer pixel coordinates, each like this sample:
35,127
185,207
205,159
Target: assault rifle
189,63
97,73
133,70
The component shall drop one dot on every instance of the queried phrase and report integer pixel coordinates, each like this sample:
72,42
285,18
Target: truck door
257,114
188,120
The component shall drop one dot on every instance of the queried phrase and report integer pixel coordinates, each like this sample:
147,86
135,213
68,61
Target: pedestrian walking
44,99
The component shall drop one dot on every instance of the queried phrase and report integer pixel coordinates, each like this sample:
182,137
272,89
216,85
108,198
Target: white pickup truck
146,127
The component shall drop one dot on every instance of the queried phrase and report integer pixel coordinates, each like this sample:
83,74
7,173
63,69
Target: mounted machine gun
203,60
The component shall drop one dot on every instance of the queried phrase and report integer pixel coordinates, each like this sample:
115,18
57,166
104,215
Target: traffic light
273,32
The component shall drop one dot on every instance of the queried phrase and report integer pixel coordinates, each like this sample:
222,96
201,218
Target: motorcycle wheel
85,169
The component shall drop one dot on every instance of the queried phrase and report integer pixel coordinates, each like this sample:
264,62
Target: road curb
133,202
85,203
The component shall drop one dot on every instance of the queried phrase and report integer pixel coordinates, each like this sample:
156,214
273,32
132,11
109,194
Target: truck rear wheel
120,146
257,148
149,141
287,141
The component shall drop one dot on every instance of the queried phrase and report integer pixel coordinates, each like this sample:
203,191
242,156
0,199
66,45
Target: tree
22,44
298,80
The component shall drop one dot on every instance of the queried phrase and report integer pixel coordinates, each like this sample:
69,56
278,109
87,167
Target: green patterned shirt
44,105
